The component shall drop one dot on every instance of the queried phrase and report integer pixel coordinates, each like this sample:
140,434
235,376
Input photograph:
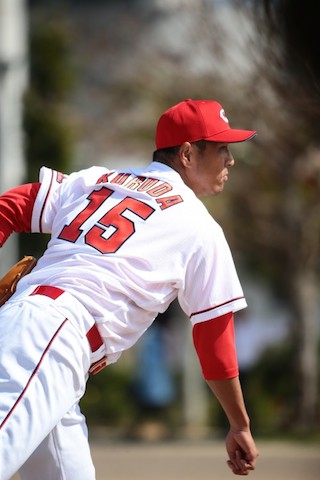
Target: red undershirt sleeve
16,207
214,341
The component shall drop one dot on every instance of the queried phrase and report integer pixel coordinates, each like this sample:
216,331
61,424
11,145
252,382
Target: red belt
93,335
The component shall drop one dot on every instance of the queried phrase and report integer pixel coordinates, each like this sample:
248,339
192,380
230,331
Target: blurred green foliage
48,135
47,139
271,390
111,403
108,399
51,73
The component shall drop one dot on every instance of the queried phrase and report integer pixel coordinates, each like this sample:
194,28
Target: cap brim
232,136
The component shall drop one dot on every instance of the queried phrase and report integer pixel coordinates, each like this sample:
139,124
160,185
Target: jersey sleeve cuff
233,306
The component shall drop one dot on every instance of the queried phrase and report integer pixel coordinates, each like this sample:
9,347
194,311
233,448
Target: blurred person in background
153,386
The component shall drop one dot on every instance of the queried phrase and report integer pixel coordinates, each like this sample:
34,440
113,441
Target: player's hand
242,452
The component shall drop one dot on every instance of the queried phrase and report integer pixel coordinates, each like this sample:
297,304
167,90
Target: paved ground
193,460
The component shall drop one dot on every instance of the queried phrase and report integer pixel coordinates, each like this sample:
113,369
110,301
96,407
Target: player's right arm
215,346
240,445
16,206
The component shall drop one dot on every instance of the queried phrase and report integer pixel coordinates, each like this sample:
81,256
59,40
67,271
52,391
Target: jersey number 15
124,227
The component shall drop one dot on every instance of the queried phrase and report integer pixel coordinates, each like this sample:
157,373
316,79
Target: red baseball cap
193,120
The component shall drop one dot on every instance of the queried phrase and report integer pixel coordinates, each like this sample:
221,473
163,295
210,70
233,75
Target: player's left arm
16,206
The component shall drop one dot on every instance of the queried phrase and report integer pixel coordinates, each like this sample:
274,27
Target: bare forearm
229,394
240,445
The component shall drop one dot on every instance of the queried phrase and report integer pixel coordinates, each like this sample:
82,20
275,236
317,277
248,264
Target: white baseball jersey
126,244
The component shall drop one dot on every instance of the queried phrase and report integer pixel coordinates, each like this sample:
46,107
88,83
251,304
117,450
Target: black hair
167,155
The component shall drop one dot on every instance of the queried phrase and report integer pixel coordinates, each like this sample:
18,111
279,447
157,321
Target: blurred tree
47,132
280,199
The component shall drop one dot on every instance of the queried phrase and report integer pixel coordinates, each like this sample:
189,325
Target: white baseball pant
45,357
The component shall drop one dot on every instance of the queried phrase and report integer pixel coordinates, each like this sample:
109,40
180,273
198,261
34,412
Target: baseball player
124,244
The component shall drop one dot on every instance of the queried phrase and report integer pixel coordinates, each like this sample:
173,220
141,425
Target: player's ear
185,154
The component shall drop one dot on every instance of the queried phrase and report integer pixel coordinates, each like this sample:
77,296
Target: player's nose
230,160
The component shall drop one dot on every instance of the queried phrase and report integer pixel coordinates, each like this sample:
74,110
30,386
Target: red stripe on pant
93,335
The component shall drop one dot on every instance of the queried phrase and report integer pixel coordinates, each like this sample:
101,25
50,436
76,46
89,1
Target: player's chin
213,191
218,189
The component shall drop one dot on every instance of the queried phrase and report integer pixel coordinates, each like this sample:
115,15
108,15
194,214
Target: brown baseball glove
8,283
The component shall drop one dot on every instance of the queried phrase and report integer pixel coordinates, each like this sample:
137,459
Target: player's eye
224,149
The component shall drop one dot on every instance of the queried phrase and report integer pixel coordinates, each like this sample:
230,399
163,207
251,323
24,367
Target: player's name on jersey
152,186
